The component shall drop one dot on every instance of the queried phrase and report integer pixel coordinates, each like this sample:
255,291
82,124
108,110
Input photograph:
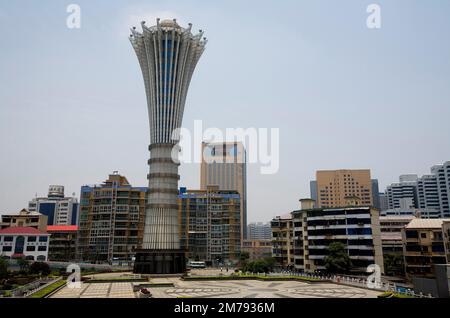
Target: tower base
159,262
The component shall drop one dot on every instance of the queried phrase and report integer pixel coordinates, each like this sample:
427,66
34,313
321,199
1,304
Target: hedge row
244,277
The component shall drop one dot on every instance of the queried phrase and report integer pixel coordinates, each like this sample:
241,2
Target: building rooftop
21,230
418,223
169,23
62,228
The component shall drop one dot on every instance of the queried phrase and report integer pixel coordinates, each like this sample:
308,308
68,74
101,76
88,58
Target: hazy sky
73,107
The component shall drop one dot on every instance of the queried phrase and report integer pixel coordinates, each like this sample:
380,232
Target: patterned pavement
220,289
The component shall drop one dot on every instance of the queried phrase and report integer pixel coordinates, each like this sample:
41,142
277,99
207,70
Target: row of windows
28,249
30,238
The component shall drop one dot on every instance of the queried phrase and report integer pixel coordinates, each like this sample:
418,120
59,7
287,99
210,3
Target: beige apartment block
334,186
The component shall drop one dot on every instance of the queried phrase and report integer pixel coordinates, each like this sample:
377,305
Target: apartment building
356,226
391,233
210,224
259,231
257,249
283,241
63,242
111,221
423,246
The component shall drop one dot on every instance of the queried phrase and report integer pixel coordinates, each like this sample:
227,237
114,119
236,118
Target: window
42,248
8,239
423,235
42,238
31,238
31,248
7,248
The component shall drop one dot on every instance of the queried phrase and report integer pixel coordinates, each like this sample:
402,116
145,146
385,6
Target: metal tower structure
167,55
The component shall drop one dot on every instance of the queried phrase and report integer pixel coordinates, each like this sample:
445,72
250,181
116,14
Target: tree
394,265
244,256
337,260
22,263
40,268
259,266
3,268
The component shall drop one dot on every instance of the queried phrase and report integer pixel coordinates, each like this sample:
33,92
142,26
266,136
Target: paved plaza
220,289
98,290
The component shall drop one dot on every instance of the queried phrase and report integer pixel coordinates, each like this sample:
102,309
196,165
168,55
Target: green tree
337,260
244,256
394,265
40,268
3,268
22,263
259,266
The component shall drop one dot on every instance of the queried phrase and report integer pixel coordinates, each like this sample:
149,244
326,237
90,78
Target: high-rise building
406,188
259,231
25,218
59,209
167,54
375,194
442,173
428,193
224,165
210,225
383,201
313,192
111,221
356,227
334,186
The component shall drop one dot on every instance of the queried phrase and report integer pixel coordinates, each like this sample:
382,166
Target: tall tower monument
167,54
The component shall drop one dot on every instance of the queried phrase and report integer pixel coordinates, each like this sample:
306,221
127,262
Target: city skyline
63,103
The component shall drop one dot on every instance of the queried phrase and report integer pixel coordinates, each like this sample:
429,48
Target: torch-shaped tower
167,54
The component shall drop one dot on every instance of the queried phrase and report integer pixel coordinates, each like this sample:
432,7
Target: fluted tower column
167,55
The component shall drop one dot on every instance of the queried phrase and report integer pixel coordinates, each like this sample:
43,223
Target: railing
353,281
31,292
22,290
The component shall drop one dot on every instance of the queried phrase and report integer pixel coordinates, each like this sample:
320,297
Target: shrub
40,268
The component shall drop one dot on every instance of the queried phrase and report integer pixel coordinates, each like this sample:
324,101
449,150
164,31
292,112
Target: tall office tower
167,55
375,194
111,221
406,188
428,194
259,231
224,164
334,186
383,202
59,209
313,192
442,173
210,225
